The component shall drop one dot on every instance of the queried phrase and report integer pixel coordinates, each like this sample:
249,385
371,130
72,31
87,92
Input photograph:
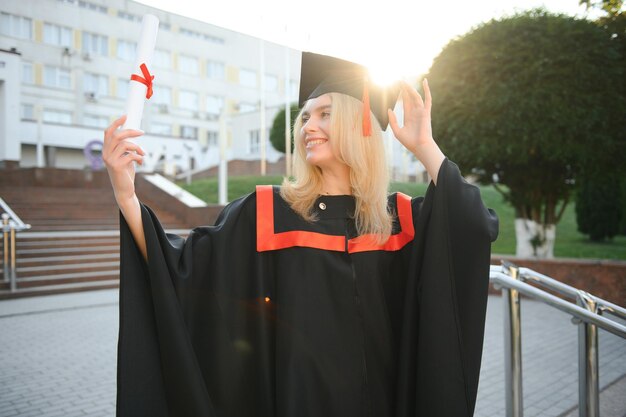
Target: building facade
64,72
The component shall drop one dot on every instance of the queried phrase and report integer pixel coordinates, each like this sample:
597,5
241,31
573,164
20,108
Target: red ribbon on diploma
146,79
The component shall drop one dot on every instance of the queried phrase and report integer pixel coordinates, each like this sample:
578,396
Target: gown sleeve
187,329
446,299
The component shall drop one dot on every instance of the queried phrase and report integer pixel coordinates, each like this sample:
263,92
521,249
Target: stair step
24,270
74,241
22,252
58,289
67,243
68,234
65,259
68,276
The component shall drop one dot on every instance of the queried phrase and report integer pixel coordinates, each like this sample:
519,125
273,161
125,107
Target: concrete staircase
73,244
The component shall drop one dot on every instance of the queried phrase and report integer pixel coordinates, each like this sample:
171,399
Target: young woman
323,297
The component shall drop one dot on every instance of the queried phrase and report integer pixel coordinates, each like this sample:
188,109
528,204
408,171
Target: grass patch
569,242
207,188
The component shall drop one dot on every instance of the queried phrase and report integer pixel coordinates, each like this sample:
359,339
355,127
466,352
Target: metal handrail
571,292
587,314
505,280
11,224
18,224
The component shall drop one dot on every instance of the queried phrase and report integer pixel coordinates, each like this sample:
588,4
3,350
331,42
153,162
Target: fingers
411,95
393,121
127,146
113,138
119,135
122,154
120,161
112,135
113,127
428,97
133,157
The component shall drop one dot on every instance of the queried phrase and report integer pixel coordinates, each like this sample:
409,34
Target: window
214,105
188,100
57,116
162,95
215,70
213,138
16,26
93,120
86,5
247,78
126,50
162,59
94,44
122,88
189,132
57,35
27,72
188,65
128,16
27,112
254,141
161,128
271,83
56,77
95,83
202,36
91,6
246,107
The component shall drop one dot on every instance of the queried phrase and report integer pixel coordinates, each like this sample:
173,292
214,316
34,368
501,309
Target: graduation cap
321,74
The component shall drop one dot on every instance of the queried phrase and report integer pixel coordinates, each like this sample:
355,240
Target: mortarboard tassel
367,120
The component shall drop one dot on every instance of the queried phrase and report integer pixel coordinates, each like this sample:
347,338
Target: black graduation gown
265,314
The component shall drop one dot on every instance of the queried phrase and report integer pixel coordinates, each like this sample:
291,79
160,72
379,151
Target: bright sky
394,38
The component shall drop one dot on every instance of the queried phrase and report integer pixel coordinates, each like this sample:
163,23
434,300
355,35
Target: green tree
529,101
277,133
601,196
598,208
611,7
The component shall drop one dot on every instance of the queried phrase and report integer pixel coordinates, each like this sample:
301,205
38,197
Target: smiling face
315,132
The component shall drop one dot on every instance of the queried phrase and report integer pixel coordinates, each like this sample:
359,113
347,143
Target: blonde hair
365,156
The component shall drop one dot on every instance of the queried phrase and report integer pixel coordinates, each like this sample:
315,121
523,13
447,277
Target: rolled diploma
136,90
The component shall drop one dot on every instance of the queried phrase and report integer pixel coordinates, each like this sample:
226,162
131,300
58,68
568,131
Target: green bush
599,208
277,133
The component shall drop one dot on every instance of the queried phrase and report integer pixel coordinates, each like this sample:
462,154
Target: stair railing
11,224
586,310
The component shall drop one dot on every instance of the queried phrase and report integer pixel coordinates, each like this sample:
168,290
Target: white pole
223,165
263,135
39,149
287,114
189,157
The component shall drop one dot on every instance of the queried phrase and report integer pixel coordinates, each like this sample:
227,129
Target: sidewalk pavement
58,358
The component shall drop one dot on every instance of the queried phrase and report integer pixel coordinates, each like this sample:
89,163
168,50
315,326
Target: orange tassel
367,120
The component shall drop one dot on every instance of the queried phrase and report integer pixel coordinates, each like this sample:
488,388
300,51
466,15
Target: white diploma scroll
137,90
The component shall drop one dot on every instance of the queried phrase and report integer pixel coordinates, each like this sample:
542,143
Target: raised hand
416,134
118,154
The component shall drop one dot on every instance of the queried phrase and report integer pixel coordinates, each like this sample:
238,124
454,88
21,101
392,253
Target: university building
64,72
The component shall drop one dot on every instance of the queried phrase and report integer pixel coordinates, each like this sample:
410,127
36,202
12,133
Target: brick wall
54,177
